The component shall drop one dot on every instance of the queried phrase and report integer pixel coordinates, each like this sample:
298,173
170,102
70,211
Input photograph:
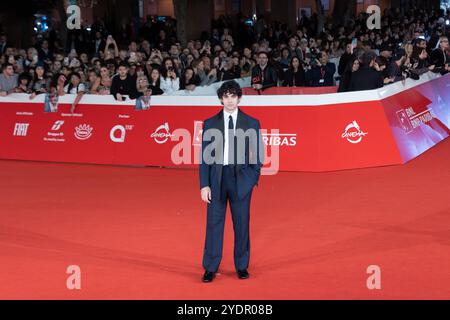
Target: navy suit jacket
249,165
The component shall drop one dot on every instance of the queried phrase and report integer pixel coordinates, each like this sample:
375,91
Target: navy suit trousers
240,212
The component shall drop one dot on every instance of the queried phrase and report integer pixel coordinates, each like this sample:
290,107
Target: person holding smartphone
170,82
111,42
228,70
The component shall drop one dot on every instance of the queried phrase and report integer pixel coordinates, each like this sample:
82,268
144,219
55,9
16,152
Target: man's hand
389,80
171,74
212,72
206,194
119,97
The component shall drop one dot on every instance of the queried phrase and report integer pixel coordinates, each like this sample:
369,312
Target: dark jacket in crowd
321,76
393,70
224,75
439,58
195,80
419,66
296,53
268,78
365,78
124,87
3,47
96,48
294,79
156,90
344,84
343,62
44,56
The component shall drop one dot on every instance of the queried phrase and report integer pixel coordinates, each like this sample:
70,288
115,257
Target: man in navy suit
231,160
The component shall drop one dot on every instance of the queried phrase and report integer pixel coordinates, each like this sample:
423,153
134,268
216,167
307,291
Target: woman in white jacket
170,82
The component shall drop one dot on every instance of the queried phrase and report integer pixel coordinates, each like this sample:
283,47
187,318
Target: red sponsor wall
311,132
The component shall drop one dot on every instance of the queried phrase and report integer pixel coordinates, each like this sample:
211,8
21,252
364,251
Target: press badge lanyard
322,75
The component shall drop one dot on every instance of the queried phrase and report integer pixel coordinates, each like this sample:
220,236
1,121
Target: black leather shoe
243,274
208,276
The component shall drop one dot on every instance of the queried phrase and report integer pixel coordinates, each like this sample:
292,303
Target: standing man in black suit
231,160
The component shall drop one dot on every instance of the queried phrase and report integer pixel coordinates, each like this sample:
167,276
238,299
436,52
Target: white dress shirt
226,119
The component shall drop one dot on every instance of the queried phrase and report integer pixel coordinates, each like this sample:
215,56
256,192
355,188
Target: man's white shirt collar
226,115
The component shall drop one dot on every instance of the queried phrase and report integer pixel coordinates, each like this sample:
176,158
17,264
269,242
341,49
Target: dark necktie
231,150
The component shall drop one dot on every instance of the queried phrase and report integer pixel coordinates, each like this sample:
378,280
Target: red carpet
137,233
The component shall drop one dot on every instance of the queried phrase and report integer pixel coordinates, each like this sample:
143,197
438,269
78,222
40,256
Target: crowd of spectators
153,62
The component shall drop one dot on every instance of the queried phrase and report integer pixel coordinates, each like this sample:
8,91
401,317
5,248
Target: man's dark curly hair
229,87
